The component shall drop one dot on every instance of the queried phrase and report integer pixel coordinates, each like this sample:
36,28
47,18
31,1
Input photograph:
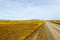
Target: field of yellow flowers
55,21
18,29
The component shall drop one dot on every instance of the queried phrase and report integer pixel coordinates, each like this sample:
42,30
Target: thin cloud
29,9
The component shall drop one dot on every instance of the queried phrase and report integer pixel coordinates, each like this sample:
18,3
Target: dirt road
49,31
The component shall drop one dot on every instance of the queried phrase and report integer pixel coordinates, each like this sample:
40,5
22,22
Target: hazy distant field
55,21
18,30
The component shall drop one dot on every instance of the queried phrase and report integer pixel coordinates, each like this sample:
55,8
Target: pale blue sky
29,9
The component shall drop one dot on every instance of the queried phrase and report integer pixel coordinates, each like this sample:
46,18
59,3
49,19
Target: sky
29,9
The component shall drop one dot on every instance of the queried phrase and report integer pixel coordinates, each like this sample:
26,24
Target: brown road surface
48,31
55,30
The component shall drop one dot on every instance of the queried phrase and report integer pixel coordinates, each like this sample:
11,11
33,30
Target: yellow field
55,21
18,30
